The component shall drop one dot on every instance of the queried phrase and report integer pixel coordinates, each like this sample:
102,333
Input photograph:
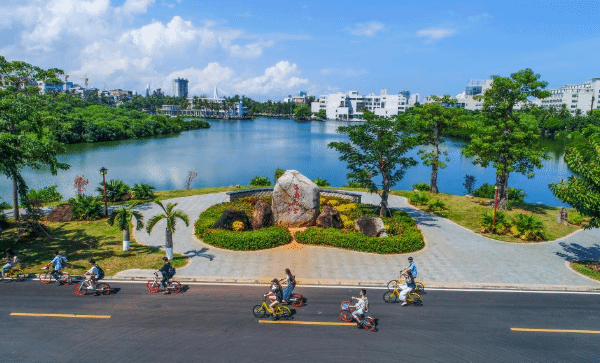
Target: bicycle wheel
392,284
80,288
346,315
297,300
415,299
20,276
419,287
103,288
153,286
46,278
175,287
369,324
284,312
390,296
66,279
259,311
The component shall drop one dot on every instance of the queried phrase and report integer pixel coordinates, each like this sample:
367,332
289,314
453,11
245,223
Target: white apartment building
466,99
349,106
580,96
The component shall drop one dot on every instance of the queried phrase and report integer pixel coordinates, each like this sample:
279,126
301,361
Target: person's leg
5,268
403,294
54,274
164,284
287,292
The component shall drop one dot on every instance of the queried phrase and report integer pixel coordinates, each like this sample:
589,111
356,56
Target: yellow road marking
557,331
63,315
305,323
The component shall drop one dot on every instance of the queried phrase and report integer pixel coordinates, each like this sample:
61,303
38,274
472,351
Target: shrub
86,208
487,220
516,195
47,194
488,191
260,181
238,240
573,218
436,205
353,184
321,182
237,226
115,190
143,191
347,222
4,206
423,187
278,173
346,209
469,183
419,198
527,227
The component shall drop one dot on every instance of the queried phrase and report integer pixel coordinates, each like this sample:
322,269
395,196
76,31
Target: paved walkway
453,256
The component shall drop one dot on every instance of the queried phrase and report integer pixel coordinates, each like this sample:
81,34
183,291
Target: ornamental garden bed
403,234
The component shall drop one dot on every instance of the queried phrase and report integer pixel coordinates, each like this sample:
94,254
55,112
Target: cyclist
11,260
275,295
361,307
408,286
290,281
165,270
59,262
95,273
412,267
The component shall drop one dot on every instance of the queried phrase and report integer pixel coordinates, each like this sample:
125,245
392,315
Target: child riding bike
362,306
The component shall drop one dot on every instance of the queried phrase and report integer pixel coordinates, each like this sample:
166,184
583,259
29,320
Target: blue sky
269,49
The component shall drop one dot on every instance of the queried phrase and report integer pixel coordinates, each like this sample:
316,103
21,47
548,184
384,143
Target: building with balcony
180,87
351,106
582,97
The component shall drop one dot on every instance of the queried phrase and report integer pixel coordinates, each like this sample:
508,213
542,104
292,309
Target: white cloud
433,34
252,50
281,77
203,81
366,29
135,6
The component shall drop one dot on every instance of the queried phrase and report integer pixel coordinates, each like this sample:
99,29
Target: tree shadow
422,217
576,252
199,253
535,208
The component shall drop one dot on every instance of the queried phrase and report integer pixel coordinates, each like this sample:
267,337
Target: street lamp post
495,207
103,171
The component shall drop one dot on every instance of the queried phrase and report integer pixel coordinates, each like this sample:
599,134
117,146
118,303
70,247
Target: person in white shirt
362,306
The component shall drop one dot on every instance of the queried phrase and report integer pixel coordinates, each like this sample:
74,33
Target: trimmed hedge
408,237
241,240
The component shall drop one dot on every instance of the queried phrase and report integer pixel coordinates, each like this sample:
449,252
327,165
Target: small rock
371,226
329,218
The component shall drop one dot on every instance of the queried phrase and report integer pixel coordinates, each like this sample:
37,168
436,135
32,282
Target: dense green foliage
486,222
321,114
422,187
86,208
406,238
143,191
260,181
278,173
582,190
116,190
487,191
321,182
527,227
302,112
47,194
238,240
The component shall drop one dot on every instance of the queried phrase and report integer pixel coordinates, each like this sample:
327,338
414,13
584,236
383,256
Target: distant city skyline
269,49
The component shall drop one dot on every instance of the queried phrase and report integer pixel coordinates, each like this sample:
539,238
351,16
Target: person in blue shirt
409,274
93,273
59,262
413,267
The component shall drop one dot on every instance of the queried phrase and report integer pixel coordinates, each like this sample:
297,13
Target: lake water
233,152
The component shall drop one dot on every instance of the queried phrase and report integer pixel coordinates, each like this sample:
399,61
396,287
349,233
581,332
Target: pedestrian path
453,256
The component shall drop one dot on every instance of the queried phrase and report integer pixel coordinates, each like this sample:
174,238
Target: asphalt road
215,324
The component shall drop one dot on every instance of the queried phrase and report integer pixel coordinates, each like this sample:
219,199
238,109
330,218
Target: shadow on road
421,217
199,253
576,252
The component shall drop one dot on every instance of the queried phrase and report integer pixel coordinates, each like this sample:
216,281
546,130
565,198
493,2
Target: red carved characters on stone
295,206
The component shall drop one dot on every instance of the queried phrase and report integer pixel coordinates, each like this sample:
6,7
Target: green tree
582,190
25,139
122,216
376,149
503,137
302,112
430,121
322,114
171,215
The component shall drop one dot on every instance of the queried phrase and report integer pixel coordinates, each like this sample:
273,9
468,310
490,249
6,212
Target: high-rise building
180,87
582,97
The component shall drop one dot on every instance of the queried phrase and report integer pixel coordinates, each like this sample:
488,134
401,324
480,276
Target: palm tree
171,216
122,216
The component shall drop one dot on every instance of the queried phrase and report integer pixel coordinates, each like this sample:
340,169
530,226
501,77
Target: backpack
100,273
366,305
171,271
64,261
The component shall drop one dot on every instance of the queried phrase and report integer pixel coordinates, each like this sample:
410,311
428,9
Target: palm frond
152,222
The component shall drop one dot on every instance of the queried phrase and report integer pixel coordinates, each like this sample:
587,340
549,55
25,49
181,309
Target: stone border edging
263,192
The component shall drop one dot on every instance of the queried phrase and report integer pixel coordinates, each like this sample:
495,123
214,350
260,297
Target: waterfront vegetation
590,269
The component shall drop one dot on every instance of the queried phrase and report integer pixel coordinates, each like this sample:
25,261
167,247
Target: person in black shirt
166,274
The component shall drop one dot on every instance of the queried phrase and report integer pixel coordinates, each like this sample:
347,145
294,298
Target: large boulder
371,226
329,218
262,215
230,216
295,200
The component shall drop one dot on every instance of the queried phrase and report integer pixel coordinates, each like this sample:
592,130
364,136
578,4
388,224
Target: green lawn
467,211
80,241
588,268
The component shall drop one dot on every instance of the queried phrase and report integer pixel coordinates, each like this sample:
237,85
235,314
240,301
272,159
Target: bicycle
419,286
153,286
263,310
393,296
14,274
83,287
366,321
63,276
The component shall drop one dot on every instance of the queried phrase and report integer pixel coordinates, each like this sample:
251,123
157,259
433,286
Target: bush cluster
525,227
238,240
488,191
260,181
423,187
86,208
47,194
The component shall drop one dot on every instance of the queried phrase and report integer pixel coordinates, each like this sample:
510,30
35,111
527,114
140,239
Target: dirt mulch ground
60,213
